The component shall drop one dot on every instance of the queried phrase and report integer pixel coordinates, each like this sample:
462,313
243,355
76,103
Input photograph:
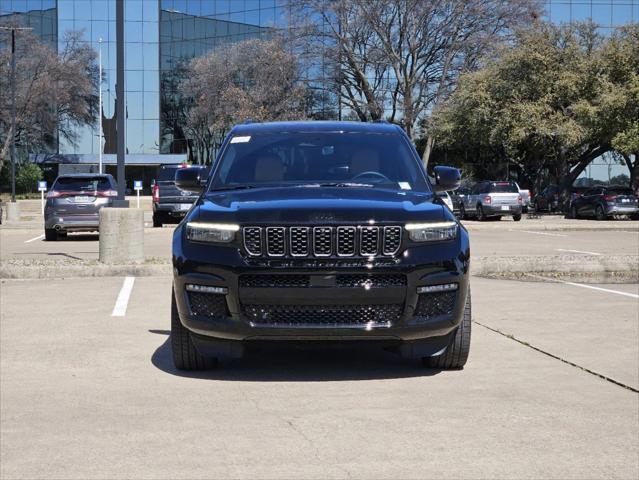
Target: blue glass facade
161,35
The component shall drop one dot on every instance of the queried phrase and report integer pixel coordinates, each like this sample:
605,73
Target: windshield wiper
232,187
336,184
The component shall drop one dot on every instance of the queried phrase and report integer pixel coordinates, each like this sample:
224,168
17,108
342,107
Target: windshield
319,159
503,187
86,184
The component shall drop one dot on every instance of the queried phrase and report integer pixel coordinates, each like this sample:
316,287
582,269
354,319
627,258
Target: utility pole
119,92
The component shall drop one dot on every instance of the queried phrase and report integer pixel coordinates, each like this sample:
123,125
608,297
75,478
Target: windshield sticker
240,139
404,185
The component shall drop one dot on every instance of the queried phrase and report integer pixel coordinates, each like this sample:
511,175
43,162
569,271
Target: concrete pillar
13,211
121,235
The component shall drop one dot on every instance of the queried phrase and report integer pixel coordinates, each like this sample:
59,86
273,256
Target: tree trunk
633,169
430,143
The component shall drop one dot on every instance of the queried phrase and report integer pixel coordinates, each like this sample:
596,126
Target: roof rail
381,120
248,120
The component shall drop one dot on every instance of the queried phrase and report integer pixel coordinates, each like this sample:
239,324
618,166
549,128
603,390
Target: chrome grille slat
299,241
275,241
369,241
253,240
346,241
322,241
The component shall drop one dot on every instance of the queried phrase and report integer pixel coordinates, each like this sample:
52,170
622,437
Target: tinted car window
85,184
384,160
503,187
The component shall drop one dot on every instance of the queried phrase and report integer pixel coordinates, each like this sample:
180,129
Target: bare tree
397,59
254,79
55,92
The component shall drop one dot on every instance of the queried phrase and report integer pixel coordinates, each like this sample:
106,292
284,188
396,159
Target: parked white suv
492,199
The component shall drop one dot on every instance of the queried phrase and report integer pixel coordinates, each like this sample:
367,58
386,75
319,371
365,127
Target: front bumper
73,223
436,264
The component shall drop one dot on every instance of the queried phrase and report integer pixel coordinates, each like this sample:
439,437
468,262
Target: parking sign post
42,186
137,186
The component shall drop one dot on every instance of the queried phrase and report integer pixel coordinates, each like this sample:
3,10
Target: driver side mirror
191,179
446,178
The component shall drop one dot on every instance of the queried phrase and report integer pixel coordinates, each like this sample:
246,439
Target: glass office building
161,35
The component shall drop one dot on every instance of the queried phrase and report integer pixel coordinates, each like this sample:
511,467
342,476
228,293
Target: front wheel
185,355
456,353
517,217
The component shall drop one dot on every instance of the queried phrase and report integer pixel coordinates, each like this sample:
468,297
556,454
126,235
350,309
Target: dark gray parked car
74,202
170,204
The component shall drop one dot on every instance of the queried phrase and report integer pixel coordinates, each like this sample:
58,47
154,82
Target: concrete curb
583,268
13,271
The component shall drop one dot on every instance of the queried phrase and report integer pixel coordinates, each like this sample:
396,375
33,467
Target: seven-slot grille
345,241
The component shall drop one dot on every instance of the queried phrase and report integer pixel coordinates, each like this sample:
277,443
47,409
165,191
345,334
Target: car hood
319,206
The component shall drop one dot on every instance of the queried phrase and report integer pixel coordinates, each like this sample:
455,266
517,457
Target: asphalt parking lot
89,395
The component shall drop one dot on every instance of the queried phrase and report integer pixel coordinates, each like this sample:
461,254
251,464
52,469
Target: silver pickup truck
492,199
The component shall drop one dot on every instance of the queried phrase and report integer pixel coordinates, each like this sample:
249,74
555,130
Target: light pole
119,109
100,105
13,108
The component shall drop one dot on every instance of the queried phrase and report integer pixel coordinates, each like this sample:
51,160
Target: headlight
211,232
432,232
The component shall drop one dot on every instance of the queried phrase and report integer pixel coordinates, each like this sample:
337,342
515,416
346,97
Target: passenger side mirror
446,178
191,179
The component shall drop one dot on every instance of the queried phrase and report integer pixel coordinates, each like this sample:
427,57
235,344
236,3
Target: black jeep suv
319,231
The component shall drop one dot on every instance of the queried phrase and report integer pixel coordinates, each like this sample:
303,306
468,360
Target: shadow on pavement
311,364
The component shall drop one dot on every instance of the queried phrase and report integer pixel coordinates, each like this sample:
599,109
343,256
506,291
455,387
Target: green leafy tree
547,105
27,177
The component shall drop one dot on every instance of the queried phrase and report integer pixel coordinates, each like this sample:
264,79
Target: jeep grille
343,241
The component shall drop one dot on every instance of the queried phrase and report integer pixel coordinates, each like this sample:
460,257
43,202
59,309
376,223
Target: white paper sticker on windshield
240,139
404,185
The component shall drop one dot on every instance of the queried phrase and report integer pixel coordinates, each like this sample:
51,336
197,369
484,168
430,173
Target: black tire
517,217
185,355
480,213
157,220
456,354
50,235
573,212
524,210
599,213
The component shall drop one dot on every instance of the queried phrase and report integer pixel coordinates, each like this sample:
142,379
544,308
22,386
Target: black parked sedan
603,202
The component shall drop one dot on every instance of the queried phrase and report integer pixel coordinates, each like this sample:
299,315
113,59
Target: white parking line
538,233
119,310
607,290
34,239
577,251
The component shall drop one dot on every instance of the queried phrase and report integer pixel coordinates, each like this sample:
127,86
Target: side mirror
191,179
447,178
